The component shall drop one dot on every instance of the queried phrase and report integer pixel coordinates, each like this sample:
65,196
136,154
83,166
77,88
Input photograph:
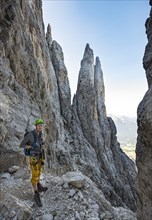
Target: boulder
76,179
13,169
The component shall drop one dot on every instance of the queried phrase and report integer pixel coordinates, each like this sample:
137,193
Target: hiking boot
41,188
37,199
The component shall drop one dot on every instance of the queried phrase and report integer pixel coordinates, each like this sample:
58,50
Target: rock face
57,58
100,132
27,78
79,137
144,140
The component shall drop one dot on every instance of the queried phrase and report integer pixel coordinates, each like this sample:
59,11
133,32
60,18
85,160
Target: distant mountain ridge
126,130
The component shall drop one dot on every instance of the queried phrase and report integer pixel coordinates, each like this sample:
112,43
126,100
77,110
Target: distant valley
126,133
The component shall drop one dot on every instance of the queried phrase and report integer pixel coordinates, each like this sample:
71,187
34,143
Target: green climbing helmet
39,121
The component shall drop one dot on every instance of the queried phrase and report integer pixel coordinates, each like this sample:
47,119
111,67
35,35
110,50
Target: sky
115,30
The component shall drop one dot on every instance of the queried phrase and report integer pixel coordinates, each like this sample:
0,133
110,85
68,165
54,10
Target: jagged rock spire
49,36
100,92
90,96
98,79
86,73
88,53
57,59
100,131
91,87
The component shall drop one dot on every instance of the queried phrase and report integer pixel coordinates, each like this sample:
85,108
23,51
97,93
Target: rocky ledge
64,200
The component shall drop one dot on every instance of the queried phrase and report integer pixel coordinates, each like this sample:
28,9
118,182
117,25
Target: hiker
33,147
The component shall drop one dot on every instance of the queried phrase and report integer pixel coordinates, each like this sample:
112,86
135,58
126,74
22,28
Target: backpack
27,151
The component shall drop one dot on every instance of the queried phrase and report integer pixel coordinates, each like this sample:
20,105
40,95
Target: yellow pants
36,169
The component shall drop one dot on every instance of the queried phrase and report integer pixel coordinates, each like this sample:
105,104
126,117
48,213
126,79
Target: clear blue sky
115,31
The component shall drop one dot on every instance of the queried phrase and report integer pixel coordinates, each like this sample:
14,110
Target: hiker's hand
28,146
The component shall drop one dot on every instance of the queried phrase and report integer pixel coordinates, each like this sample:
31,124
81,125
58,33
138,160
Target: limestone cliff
28,80
113,168
144,140
79,137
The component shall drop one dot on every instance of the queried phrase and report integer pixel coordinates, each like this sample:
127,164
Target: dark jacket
29,140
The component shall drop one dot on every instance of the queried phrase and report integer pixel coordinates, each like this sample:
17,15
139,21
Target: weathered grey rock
100,132
55,203
93,218
49,36
11,202
75,179
5,176
13,169
12,214
102,216
72,192
57,58
77,216
66,185
46,217
3,132
80,195
82,215
108,215
95,206
125,214
144,140
28,83
22,173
